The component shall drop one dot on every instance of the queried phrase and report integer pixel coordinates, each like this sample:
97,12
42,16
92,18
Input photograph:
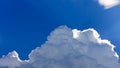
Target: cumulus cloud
68,48
10,61
109,3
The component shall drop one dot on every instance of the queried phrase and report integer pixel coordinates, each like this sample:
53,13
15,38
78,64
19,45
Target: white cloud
67,48
11,60
109,3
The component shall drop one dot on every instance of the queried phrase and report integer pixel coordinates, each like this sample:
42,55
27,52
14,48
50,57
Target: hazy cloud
68,48
109,3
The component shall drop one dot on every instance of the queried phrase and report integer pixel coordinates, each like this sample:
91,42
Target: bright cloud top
67,48
109,3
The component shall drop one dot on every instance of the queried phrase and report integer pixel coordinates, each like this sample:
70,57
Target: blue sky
25,24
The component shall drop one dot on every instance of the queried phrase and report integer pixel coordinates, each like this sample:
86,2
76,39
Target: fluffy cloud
68,48
11,60
109,3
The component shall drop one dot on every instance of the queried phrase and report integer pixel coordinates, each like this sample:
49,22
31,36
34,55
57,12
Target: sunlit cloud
109,3
67,48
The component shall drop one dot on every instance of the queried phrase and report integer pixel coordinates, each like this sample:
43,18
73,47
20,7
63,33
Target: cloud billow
67,48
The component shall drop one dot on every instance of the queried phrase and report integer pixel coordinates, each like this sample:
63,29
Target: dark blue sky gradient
25,24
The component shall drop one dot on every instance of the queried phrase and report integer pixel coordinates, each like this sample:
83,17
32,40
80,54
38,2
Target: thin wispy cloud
109,3
67,48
